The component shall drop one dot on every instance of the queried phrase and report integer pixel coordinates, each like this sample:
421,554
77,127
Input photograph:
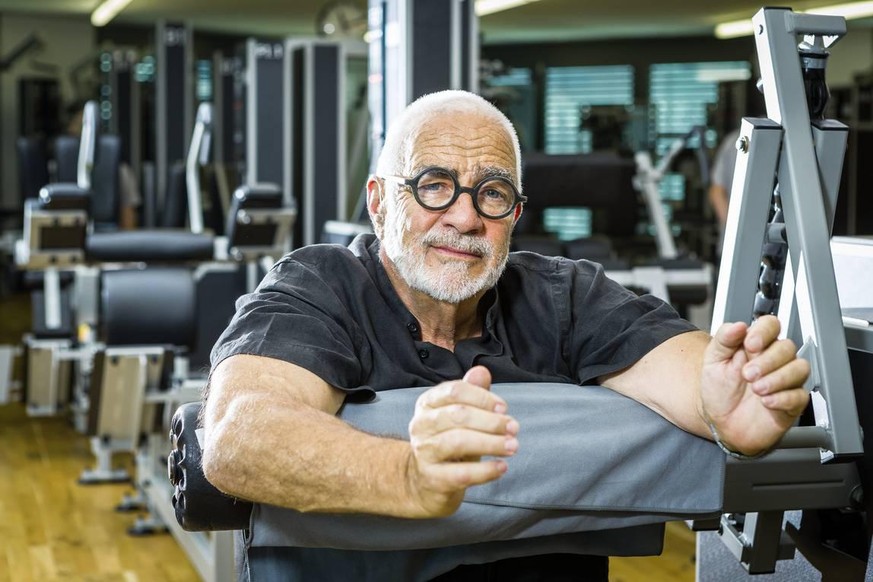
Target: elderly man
436,299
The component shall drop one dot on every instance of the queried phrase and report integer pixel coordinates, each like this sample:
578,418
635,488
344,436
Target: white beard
449,282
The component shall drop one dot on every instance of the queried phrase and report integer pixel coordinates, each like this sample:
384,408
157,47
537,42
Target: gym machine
174,105
55,228
416,47
668,272
227,131
315,134
788,169
153,351
299,87
121,103
600,510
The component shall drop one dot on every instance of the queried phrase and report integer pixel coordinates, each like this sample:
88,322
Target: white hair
395,151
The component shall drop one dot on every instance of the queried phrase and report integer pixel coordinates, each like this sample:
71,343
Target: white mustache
464,243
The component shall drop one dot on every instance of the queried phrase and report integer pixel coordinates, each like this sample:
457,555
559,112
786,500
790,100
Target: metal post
806,223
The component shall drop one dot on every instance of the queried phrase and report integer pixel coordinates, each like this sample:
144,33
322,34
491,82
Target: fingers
768,364
458,476
457,420
777,368
456,444
761,334
456,424
791,402
725,342
461,392
480,376
454,416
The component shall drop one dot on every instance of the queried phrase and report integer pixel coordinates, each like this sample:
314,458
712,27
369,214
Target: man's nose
463,215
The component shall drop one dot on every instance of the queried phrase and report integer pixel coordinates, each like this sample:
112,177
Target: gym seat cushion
154,306
149,246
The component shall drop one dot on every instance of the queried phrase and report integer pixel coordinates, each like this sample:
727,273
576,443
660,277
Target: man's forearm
291,455
667,380
271,436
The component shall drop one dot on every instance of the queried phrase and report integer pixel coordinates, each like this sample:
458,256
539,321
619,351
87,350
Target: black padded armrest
258,196
198,504
63,197
149,246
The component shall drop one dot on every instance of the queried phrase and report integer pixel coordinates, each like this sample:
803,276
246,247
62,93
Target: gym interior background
589,86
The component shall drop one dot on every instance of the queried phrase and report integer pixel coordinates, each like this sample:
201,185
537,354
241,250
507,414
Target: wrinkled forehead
464,143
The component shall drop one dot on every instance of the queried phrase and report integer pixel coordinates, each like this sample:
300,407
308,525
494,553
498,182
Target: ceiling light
849,11
484,7
108,10
734,29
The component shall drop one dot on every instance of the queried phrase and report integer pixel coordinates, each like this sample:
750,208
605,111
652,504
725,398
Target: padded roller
264,195
199,505
63,197
149,246
154,306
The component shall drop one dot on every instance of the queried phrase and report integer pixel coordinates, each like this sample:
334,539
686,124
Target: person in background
722,177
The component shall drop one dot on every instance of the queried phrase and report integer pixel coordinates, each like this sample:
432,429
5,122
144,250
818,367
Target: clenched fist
455,424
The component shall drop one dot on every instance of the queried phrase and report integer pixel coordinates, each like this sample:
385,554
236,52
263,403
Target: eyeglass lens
436,188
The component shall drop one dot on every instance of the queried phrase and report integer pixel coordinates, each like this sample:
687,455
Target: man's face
453,254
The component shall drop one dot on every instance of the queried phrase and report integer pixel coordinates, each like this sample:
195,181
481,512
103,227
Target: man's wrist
729,451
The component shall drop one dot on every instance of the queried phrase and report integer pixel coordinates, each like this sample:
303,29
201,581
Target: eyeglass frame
412,184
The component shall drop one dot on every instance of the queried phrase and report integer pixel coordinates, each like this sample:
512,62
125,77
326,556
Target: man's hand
456,423
752,385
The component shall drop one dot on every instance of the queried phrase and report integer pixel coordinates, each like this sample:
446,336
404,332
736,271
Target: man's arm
744,381
271,436
718,198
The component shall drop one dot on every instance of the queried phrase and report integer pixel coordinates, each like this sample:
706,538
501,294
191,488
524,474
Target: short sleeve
295,315
611,327
725,161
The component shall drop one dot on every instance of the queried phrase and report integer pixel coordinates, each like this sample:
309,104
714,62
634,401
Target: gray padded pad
589,459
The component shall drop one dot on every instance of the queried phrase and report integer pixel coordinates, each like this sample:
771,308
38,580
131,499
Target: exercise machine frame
811,467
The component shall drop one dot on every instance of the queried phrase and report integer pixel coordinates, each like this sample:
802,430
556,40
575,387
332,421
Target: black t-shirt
333,311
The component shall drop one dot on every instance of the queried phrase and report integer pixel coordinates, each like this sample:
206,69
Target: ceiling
544,20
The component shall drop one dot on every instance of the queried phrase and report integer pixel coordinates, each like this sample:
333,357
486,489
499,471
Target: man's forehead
463,125
483,148
477,169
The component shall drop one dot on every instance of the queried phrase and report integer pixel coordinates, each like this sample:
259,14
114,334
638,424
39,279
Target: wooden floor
52,529
675,564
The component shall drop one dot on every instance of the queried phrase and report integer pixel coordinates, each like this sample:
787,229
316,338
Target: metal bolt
743,144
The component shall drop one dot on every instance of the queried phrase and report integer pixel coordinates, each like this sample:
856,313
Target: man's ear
517,214
375,196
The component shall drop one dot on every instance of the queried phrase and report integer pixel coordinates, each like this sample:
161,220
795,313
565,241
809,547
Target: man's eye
493,194
436,183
